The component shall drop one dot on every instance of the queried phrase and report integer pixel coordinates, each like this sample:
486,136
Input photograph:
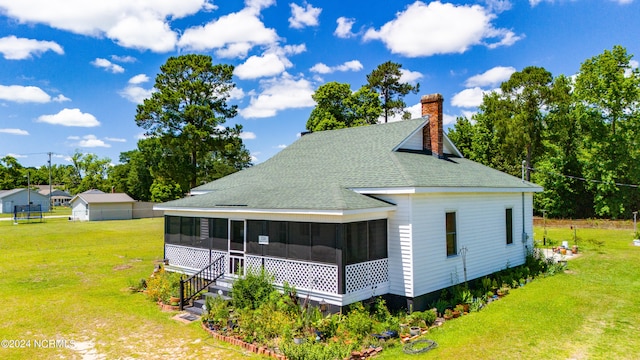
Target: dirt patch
122,267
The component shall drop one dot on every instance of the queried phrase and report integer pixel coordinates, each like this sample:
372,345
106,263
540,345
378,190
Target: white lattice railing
300,274
365,275
187,257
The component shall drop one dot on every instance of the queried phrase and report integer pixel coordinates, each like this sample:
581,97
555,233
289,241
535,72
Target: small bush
252,290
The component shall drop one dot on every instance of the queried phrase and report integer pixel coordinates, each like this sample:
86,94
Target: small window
509,225
451,233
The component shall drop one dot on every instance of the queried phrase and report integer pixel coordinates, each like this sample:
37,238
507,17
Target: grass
588,312
57,211
69,281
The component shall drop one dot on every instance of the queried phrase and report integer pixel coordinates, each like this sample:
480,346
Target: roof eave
444,189
239,210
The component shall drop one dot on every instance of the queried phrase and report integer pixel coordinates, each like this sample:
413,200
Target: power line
582,179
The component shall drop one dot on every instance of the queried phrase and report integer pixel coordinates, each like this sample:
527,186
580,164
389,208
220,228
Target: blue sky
73,71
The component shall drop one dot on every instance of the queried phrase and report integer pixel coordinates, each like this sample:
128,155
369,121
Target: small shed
10,198
91,207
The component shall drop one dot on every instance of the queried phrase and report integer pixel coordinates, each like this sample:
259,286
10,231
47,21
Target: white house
390,209
10,198
101,206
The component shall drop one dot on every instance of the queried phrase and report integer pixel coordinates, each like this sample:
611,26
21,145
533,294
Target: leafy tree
165,190
607,89
385,80
338,107
462,135
11,175
526,94
187,111
89,172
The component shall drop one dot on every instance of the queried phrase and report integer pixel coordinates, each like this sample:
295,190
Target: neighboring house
10,198
101,206
58,197
343,215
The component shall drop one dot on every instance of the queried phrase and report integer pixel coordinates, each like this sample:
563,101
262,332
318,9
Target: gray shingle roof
104,198
318,170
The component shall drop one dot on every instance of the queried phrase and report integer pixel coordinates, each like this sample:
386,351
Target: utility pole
50,204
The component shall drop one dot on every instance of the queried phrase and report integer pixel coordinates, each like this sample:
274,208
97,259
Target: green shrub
162,285
311,350
252,290
358,324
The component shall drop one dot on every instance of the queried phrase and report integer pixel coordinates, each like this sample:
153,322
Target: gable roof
320,170
7,193
103,198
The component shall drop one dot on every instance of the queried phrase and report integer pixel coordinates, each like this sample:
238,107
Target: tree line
577,135
574,135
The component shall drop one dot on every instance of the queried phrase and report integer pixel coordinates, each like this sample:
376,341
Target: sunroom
338,263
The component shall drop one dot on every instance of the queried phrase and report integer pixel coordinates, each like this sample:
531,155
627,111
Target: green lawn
65,280
588,312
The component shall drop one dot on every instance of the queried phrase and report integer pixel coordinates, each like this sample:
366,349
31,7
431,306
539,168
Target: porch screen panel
255,228
377,239
277,239
299,241
323,243
172,229
189,231
355,239
219,233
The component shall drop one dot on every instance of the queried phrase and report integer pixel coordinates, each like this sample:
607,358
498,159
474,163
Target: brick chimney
432,133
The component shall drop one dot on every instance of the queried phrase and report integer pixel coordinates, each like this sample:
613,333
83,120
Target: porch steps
213,291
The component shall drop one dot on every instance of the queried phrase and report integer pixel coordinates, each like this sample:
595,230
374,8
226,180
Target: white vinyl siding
400,252
480,227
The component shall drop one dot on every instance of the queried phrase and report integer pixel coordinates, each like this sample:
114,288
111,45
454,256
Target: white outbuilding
91,207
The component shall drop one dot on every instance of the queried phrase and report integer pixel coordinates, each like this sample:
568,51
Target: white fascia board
241,210
422,190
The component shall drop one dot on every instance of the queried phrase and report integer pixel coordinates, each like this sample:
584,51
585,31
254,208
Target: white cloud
14,131
279,94
61,98
408,76
303,16
450,29
135,93
236,94
247,135
91,141
25,94
139,79
115,139
353,65
123,59
73,137
248,31
14,48
343,30
70,117
141,24
468,98
107,65
491,77
261,66
17,156
498,6
281,146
